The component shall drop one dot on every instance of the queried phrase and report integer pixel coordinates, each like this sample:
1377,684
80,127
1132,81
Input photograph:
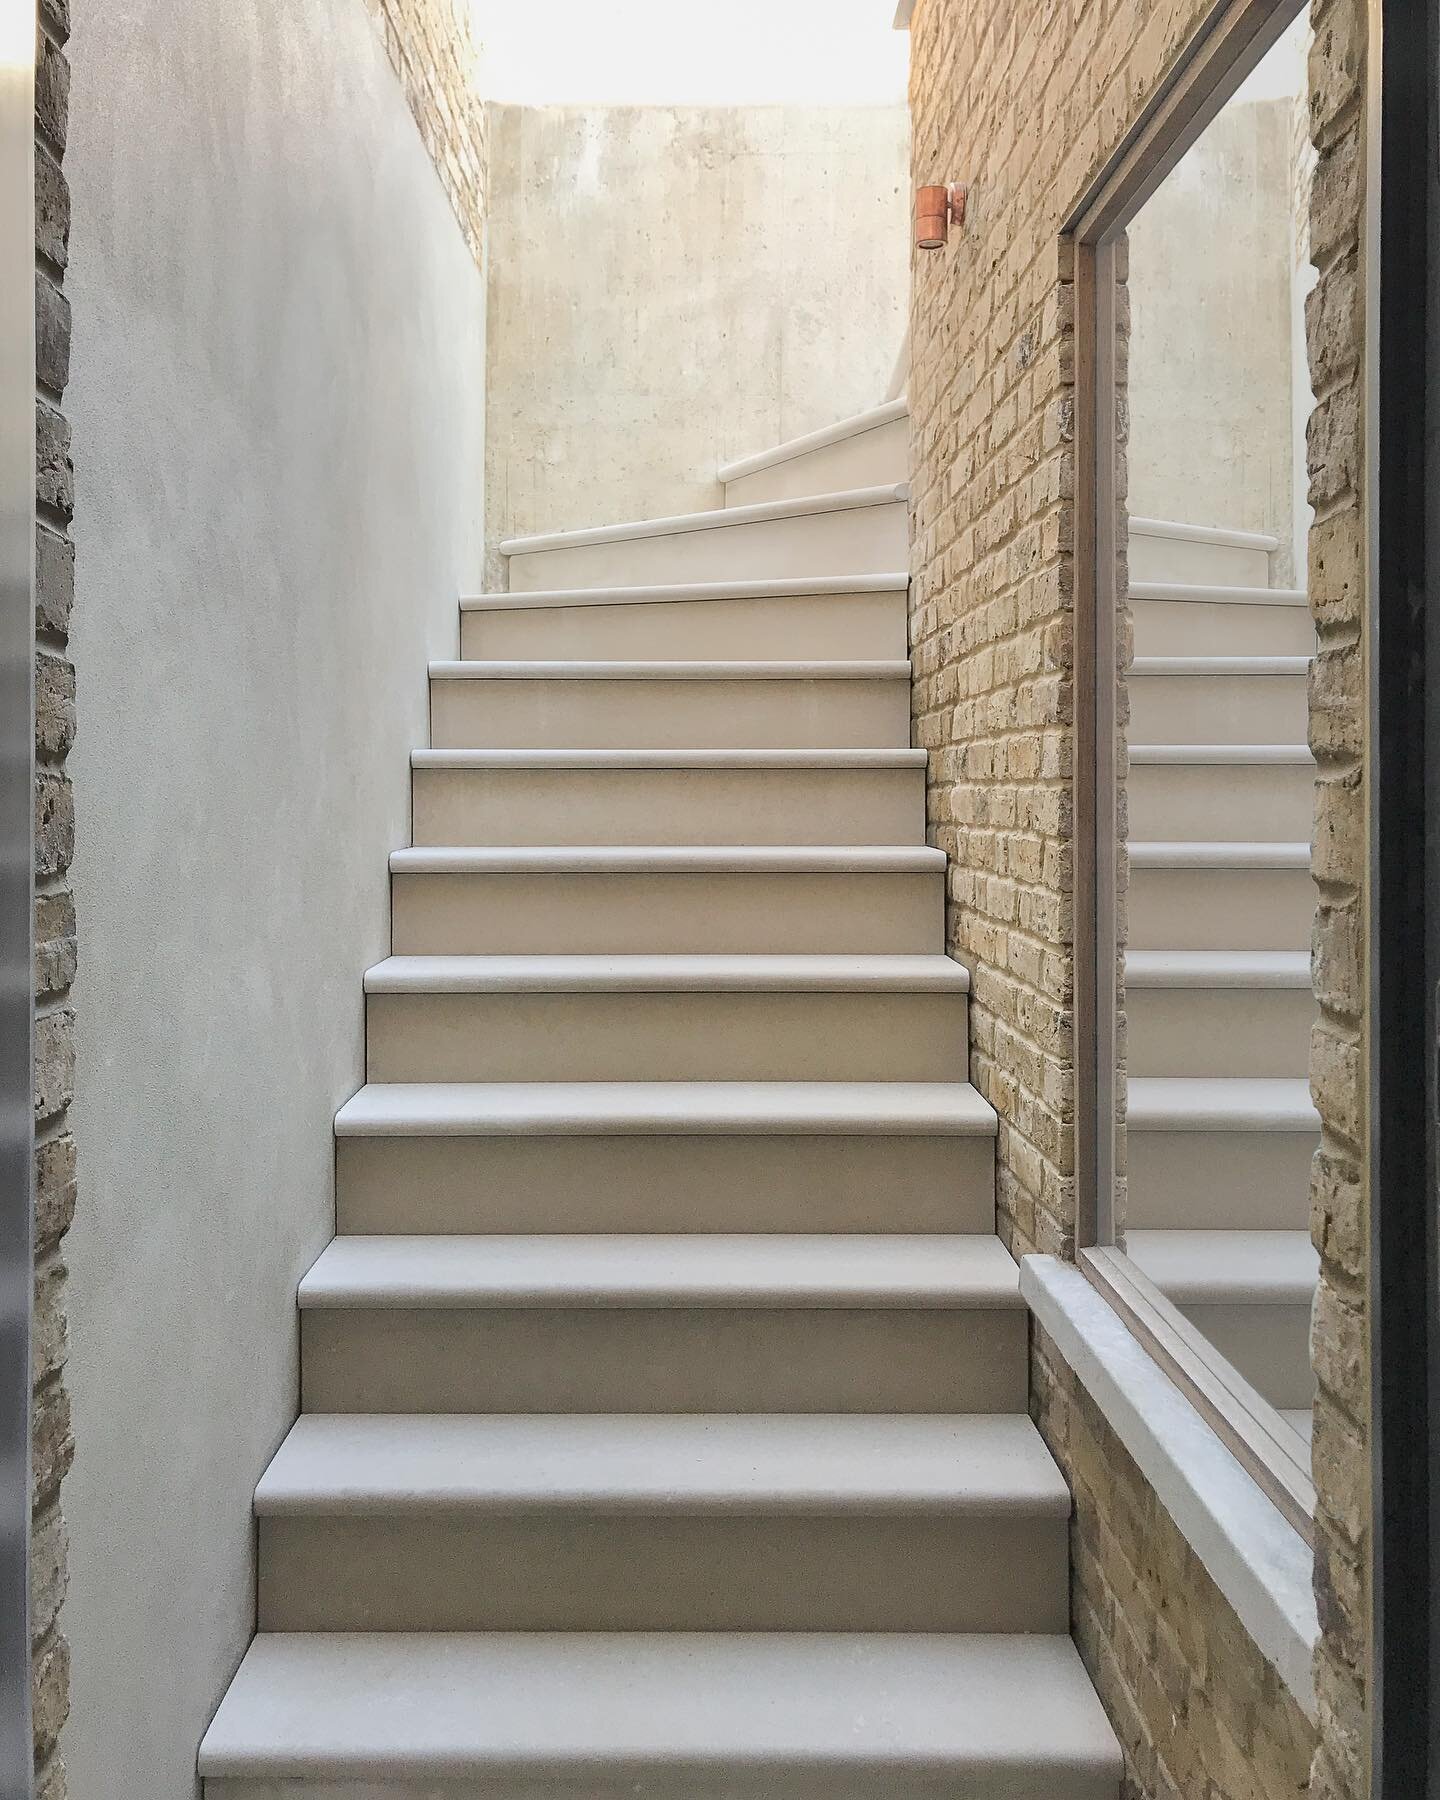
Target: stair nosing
1244,969
874,418
477,669
656,1272
1169,1103
1143,526
669,759
673,1108
856,859
754,1465
1262,1278
1238,755
661,593
683,524
1257,667
506,974
1207,592
1160,853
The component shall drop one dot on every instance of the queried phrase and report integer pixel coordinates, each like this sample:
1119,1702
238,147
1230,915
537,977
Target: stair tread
1217,969
666,974
1218,591
594,669
855,425
857,859
1142,526
1238,1267
1143,666
733,1705
1185,754
685,1464
1181,854
677,1108
701,1269
784,588
888,493
668,759
1220,1103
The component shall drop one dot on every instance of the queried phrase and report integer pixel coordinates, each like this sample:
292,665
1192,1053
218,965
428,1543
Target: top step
872,446
857,531
1209,555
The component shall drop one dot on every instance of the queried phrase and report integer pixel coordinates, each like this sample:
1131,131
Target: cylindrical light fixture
937,207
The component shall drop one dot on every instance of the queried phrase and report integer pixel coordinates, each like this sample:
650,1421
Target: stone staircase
664,1423
1217,971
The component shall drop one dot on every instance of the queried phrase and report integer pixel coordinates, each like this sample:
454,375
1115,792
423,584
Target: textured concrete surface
674,287
277,414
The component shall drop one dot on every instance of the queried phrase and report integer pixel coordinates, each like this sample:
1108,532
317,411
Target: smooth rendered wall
1212,367
277,405
674,287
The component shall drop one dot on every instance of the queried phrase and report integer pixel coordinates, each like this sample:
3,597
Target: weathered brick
54,823
54,1062
56,946
54,704
52,209
54,471
52,334
52,93
55,1189
54,581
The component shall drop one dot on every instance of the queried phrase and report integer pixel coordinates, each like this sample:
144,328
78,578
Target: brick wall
1025,105
55,941
434,54
1339,1211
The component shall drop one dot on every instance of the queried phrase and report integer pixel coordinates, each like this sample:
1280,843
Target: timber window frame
1228,45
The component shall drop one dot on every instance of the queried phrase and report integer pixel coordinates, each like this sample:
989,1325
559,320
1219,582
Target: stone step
669,706
675,1716
666,1018
851,616
869,447
1219,896
666,1157
1249,1293
1179,618
1218,700
1169,550
1221,1153
1218,1013
856,531
668,900
1211,792
662,1522
731,797
696,1323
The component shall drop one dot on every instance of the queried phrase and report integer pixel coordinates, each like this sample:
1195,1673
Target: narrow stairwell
1221,1128
664,1392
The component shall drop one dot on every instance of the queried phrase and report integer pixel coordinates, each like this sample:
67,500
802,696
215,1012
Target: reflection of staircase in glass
1220,1127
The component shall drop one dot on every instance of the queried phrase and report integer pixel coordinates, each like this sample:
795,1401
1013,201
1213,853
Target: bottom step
675,1716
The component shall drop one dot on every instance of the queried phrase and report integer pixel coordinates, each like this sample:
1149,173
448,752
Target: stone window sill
1253,1554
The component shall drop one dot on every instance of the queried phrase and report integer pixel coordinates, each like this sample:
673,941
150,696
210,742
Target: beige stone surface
674,287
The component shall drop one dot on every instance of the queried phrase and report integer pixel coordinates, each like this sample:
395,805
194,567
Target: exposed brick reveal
55,933
433,52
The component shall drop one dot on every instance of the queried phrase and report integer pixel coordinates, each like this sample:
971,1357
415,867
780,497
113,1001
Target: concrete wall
1211,359
279,439
673,287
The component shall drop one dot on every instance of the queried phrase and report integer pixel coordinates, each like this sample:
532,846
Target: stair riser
1218,709
669,806
865,540
1218,1031
867,460
664,1359
1218,802
1217,565
578,1571
1219,1180
1220,909
1268,1344
659,914
848,626
652,1182
1214,628
667,1037
669,715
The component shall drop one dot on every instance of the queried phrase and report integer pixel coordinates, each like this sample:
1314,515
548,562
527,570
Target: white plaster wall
671,287
278,420
1213,409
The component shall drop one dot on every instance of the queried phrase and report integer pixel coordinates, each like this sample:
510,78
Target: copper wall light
936,209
